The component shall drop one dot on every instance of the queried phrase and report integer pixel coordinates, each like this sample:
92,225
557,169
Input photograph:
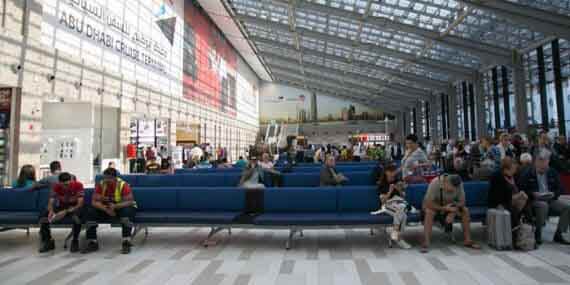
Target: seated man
113,199
252,176
65,200
329,175
542,186
445,200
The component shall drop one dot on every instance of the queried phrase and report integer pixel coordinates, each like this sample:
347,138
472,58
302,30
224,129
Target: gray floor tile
409,278
82,278
10,261
287,267
542,275
242,279
140,266
436,263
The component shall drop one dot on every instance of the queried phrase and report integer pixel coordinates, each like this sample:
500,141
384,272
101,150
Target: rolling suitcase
499,232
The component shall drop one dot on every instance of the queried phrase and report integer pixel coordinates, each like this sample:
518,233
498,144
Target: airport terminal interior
218,142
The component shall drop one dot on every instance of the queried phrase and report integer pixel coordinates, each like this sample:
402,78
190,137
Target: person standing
113,200
415,157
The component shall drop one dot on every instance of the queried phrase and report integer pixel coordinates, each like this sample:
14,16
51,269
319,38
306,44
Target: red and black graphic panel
210,63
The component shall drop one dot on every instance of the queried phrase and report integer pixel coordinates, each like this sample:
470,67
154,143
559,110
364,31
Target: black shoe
47,246
448,227
74,246
126,247
559,239
92,246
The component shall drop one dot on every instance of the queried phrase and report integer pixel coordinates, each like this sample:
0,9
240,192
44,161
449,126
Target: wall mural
210,63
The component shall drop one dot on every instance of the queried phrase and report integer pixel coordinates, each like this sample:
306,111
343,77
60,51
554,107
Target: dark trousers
75,217
276,179
124,216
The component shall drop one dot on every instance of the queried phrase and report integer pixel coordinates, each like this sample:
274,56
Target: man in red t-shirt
112,200
65,200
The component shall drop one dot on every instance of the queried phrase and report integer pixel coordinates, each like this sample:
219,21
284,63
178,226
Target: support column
419,119
427,118
465,111
479,106
558,87
472,112
542,86
436,133
519,85
443,117
452,109
415,121
506,97
404,124
495,79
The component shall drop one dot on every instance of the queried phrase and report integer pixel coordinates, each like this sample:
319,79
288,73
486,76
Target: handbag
525,237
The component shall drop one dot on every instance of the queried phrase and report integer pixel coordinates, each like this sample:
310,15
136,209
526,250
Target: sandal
472,245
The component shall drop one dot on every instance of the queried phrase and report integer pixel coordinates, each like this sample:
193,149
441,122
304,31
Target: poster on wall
5,107
289,104
210,63
140,39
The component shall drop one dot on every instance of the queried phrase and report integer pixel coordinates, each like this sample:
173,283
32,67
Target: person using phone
65,200
542,186
445,200
329,175
113,200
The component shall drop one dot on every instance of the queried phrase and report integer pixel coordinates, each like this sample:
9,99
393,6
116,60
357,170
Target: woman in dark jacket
504,193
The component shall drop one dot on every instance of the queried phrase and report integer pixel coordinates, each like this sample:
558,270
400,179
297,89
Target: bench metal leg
292,233
27,232
301,233
230,231
213,231
388,237
371,231
145,232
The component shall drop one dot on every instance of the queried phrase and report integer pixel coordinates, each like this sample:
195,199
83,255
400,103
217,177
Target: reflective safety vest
118,190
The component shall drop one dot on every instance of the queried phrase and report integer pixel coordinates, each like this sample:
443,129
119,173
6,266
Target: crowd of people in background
523,176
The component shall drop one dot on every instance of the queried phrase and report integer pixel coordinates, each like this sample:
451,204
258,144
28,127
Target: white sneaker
403,244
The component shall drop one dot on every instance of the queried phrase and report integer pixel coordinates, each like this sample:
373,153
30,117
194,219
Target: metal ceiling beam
342,74
546,22
437,66
332,92
436,85
345,83
395,99
279,60
482,50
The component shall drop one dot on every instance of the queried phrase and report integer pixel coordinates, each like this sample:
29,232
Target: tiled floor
175,256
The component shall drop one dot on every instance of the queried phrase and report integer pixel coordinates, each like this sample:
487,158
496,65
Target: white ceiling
222,18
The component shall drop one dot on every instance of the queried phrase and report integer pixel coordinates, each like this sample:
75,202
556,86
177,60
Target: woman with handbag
504,194
392,192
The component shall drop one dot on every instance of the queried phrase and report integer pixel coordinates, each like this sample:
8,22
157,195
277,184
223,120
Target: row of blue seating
321,206
311,179
296,169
